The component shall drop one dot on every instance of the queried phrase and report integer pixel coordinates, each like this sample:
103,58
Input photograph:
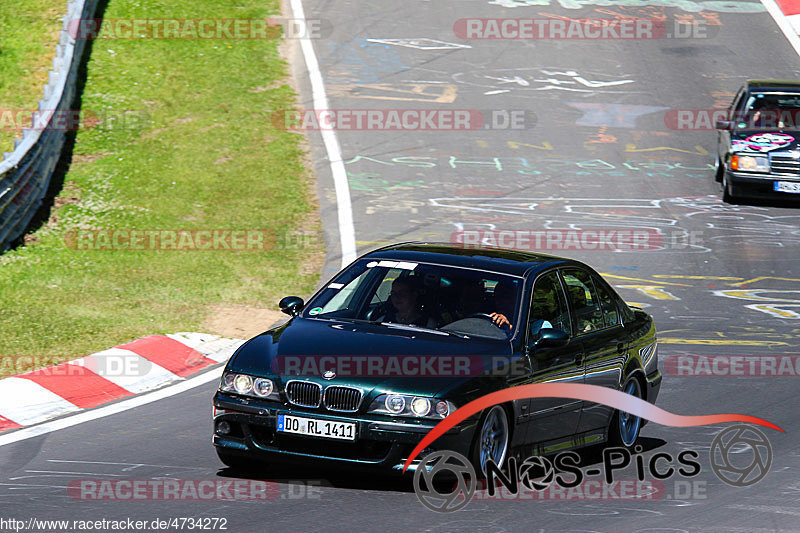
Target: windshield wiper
413,327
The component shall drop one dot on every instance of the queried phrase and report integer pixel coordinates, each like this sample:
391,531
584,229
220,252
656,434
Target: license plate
787,186
316,428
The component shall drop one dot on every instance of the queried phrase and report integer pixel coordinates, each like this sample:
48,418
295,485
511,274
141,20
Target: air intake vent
338,398
304,393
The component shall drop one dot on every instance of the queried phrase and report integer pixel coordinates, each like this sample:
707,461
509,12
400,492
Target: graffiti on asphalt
440,93
686,5
362,62
541,166
611,115
721,223
544,79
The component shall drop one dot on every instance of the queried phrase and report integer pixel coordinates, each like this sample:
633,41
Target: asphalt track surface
582,166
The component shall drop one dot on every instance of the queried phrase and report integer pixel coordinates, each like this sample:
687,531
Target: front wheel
491,439
728,191
624,427
719,170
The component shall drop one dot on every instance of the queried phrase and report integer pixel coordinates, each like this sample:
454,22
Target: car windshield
771,111
422,296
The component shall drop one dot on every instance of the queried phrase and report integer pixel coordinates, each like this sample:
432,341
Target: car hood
764,141
368,356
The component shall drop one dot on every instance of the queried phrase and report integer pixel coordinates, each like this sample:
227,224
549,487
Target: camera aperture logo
456,465
726,450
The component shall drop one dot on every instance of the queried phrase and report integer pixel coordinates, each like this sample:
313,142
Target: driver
505,298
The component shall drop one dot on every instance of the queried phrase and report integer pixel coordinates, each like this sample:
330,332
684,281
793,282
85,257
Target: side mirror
291,305
551,338
723,124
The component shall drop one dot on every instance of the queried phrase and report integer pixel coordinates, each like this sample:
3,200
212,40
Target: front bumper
758,185
381,443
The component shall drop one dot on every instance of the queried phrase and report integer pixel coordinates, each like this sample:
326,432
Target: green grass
205,157
28,37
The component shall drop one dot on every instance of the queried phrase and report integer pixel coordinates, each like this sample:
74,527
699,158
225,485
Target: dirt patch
241,321
89,158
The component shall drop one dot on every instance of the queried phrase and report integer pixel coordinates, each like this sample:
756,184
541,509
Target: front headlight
417,406
248,386
749,163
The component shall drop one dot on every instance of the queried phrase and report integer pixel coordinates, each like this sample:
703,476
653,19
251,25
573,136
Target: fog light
223,427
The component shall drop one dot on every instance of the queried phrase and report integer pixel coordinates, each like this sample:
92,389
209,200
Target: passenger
543,305
406,308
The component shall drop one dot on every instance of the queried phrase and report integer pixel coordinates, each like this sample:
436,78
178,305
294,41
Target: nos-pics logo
445,481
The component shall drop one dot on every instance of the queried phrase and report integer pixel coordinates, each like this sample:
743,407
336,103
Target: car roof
501,260
790,85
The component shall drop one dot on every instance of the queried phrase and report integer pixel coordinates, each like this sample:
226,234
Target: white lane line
30,402
347,232
101,412
784,24
134,465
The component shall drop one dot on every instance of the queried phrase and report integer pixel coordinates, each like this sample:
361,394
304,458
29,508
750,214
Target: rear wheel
491,439
624,428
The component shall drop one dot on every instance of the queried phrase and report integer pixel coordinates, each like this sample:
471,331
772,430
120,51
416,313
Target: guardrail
25,173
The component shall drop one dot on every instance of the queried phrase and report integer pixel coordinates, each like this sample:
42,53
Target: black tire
623,429
495,416
728,191
719,170
236,462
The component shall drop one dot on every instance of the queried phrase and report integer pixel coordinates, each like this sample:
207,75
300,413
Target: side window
548,306
585,304
607,302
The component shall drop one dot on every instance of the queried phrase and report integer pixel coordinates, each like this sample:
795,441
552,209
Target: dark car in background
407,334
758,154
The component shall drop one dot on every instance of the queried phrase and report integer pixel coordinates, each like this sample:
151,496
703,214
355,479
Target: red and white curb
140,366
786,14
791,10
